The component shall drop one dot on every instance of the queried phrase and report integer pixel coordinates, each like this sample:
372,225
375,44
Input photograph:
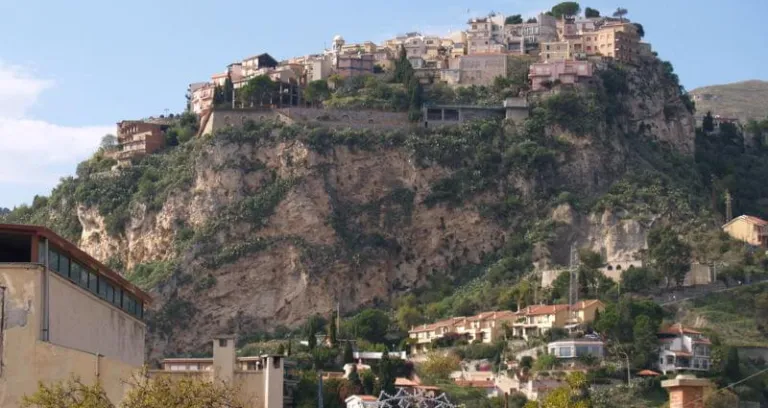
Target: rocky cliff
251,228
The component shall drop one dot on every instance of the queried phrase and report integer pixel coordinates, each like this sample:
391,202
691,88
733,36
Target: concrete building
574,348
485,327
544,74
515,109
683,349
537,319
138,138
251,66
482,69
354,65
562,50
526,37
617,40
63,313
259,381
749,229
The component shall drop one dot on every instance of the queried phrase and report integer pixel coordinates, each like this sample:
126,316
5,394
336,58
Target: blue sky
70,69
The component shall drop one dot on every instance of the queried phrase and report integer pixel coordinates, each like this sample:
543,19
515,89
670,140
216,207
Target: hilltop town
529,212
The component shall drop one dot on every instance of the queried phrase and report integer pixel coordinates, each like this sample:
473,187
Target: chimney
224,358
686,391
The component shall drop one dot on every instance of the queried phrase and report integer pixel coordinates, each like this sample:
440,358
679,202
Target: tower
224,358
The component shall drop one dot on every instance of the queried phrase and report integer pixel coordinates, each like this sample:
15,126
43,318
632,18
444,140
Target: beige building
482,69
619,41
485,35
64,314
200,97
486,327
749,229
544,74
537,319
259,381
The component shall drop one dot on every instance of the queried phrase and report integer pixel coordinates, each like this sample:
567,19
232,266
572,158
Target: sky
69,70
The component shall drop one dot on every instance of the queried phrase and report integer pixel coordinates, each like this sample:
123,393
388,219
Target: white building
362,401
575,348
683,349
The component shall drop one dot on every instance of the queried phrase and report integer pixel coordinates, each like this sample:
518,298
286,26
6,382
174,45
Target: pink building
566,72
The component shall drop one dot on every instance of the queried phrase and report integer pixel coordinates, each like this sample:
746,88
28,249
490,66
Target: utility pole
319,389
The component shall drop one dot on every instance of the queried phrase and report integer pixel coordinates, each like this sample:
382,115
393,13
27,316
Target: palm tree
620,13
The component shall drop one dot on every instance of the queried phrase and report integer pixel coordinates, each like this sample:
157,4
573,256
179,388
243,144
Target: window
74,272
93,282
53,260
222,342
84,278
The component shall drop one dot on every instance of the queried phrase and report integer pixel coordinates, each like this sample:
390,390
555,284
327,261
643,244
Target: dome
338,38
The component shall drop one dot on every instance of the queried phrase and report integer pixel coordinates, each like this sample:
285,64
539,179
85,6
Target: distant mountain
745,100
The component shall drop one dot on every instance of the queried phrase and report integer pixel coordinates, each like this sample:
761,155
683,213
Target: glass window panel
93,282
74,272
63,265
84,278
53,260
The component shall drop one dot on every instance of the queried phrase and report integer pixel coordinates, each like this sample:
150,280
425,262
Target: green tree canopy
72,393
514,19
438,367
640,29
638,280
108,142
316,92
589,12
567,8
371,325
645,342
620,13
669,255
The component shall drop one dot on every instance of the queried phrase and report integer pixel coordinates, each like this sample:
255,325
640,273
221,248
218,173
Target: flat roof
79,254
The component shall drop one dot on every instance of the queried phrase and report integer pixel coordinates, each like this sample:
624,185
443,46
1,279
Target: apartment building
354,65
485,35
486,327
749,229
138,138
526,37
254,66
537,319
200,96
616,40
544,74
683,349
64,313
259,381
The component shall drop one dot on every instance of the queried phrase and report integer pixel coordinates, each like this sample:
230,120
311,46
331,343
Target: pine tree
332,330
288,349
281,349
348,356
311,339
386,374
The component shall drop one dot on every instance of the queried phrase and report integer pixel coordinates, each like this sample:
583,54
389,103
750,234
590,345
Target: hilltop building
537,319
485,327
485,35
683,349
259,380
63,314
138,138
749,229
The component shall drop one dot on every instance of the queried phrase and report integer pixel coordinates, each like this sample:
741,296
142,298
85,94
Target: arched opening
610,267
618,267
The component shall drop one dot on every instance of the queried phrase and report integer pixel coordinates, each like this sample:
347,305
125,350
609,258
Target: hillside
249,230
744,100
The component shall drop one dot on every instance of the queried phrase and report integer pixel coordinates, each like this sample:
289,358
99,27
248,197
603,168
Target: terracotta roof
501,314
748,218
648,373
80,255
368,398
678,328
681,353
427,387
475,384
405,382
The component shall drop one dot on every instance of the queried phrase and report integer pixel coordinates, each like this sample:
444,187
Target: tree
316,92
638,280
645,345
311,331
259,89
371,325
589,12
514,19
532,20
721,399
439,366
228,90
640,30
386,374
708,123
108,142
348,355
669,255
573,395
566,9
354,379
620,13
369,382
546,362
188,392
72,393
281,349
332,330
732,368
407,316
761,312
288,349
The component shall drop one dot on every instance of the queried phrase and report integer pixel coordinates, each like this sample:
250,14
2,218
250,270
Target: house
485,35
259,381
362,401
537,319
544,74
749,229
200,97
525,38
684,349
64,314
574,348
138,138
354,65
486,327
252,65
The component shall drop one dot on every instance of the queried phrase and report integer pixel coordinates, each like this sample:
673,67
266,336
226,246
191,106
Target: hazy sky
70,69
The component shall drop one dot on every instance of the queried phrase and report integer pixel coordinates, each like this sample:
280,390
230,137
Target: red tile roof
648,373
475,384
678,328
405,382
368,398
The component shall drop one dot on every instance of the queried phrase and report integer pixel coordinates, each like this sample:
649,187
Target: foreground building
138,138
64,314
683,349
749,229
259,381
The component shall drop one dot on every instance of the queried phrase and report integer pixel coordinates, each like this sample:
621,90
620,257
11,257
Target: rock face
291,231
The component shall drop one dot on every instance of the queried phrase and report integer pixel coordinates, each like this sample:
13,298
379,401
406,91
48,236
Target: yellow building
64,314
616,40
749,229
486,327
258,380
537,319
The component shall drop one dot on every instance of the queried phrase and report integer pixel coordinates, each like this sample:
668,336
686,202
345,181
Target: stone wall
482,69
355,119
